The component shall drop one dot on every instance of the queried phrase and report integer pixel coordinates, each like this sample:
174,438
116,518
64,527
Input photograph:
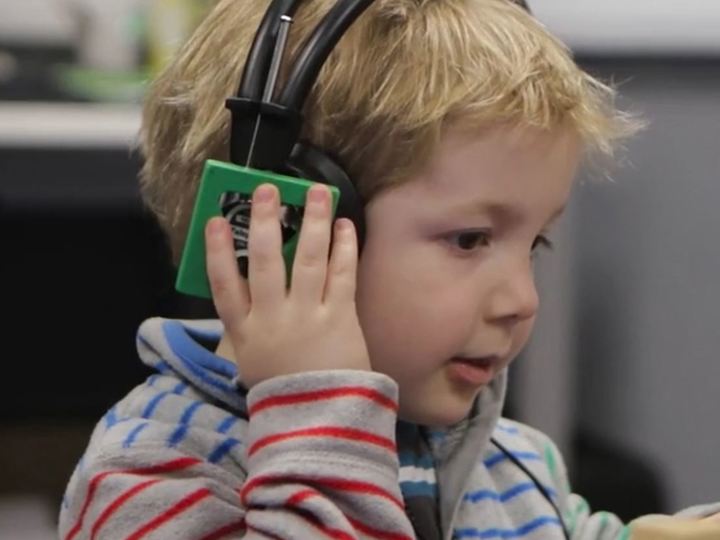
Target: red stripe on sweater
235,526
170,466
305,494
179,507
355,435
341,484
330,393
117,503
300,496
375,533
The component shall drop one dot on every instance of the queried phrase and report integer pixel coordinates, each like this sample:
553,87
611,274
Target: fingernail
343,225
317,194
264,193
216,226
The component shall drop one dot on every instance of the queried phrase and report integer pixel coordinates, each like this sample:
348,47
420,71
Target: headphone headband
264,131
258,62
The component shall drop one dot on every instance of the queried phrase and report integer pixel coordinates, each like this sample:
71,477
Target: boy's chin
435,416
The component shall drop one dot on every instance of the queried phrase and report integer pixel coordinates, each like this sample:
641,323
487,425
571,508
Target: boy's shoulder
165,412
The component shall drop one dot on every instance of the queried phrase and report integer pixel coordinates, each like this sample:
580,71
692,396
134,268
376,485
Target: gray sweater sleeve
320,460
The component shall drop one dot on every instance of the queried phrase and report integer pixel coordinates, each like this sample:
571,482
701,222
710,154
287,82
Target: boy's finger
229,289
266,267
342,269
309,269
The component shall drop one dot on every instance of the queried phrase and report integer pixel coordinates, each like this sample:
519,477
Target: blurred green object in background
89,84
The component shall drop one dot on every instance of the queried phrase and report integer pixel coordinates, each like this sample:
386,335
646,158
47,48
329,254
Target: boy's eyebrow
500,211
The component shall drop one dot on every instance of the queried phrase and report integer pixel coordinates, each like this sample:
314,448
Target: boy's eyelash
482,238
542,241
479,238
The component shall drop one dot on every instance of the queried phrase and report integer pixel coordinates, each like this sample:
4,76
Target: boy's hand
275,331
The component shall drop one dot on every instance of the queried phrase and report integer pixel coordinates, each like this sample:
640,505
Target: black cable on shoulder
535,481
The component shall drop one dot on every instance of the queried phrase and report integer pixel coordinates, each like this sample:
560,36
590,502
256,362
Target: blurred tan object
673,528
169,25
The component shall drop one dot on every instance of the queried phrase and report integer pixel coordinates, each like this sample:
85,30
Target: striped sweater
189,455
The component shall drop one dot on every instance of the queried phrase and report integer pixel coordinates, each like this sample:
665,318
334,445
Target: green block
219,178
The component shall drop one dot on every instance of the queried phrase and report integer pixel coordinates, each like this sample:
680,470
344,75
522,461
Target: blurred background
623,371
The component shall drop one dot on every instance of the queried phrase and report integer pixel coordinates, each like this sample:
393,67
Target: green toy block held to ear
226,190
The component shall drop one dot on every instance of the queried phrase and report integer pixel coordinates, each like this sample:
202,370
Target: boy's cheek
523,333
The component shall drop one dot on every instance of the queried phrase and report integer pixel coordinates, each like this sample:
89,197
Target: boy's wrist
321,379
352,413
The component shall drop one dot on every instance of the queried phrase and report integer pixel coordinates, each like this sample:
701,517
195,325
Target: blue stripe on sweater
204,333
500,457
483,494
507,533
418,489
163,367
222,449
181,342
179,434
110,418
130,439
190,411
508,429
226,424
155,401
200,362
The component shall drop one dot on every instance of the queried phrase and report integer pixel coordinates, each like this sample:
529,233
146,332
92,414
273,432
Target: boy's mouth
477,371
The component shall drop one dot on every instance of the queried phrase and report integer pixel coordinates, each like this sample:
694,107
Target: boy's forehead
505,154
503,175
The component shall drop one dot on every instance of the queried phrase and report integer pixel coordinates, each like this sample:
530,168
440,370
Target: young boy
364,400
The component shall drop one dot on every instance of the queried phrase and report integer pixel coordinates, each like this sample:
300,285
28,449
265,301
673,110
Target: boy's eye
470,240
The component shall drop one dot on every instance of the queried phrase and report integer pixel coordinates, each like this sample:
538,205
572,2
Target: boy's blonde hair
403,71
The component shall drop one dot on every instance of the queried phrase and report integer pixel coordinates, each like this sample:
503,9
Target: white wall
598,25
634,26
648,284
40,21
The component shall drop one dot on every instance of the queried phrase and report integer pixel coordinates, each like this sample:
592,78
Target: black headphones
265,131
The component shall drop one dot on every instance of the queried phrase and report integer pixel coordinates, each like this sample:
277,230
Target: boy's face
446,270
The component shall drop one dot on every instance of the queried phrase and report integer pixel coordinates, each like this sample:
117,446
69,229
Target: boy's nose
515,296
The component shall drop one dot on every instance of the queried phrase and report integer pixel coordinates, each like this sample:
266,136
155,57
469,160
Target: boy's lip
478,360
474,371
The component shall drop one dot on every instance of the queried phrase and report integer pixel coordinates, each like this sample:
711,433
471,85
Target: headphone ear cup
307,161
